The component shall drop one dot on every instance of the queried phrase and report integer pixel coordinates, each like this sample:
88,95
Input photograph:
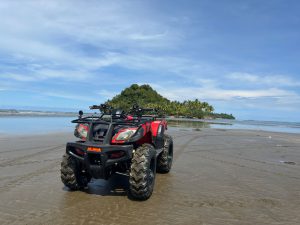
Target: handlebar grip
100,107
94,107
148,109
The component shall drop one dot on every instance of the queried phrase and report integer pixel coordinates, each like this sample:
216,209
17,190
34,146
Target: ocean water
41,125
35,125
274,126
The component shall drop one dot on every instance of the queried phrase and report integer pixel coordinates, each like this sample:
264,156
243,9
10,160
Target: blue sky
240,56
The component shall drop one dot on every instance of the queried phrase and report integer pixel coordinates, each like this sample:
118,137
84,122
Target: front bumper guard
96,163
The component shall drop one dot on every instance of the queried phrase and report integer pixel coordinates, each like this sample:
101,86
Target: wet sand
218,177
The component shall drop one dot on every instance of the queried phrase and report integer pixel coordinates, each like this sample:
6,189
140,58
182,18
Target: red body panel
155,126
150,131
146,139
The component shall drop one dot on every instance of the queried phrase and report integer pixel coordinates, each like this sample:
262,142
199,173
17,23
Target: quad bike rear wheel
72,175
164,160
142,172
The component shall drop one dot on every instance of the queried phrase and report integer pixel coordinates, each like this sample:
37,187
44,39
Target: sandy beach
218,177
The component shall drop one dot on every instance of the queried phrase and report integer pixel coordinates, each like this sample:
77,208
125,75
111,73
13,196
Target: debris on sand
288,162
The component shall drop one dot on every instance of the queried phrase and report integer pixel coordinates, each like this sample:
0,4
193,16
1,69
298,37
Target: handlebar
100,107
140,111
135,110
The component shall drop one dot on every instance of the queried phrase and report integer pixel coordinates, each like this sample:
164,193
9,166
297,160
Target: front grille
99,132
95,159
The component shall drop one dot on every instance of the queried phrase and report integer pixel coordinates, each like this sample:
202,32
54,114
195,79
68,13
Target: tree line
145,96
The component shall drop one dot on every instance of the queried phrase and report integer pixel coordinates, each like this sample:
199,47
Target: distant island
14,112
146,96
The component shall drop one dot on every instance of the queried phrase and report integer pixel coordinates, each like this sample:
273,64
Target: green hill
146,96
142,95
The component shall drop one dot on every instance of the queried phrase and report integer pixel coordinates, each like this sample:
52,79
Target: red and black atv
114,142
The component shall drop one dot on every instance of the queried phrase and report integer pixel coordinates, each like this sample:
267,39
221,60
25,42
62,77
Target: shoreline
38,114
46,124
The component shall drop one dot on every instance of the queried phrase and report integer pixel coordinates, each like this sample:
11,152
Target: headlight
82,130
124,134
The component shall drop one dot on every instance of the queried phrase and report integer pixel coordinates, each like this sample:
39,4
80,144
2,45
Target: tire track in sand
16,160
24,149
18,180
224,161
183,146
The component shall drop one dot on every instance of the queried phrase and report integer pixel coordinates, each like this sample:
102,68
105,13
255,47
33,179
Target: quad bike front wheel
72,175
142,172
164,160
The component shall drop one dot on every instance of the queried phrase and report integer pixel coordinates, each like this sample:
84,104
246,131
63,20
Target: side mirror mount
80,113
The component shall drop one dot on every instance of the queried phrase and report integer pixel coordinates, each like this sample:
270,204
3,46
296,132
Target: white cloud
17,77
71,96
141,36
268,98
60,35
100,23
82,67
46,74
270,80
105,94
216,93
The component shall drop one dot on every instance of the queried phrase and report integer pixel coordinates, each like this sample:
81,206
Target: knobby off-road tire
72,175
142,172
164,160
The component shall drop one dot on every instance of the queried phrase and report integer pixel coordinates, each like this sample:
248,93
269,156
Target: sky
243,57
